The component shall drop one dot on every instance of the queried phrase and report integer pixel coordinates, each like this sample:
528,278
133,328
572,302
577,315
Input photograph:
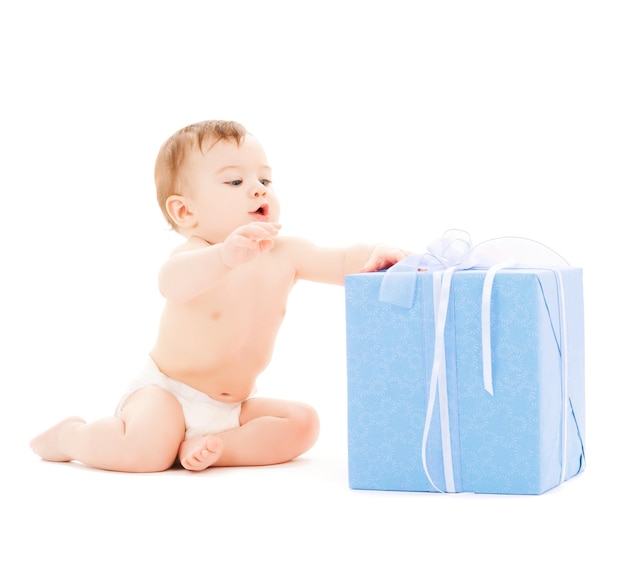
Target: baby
226,290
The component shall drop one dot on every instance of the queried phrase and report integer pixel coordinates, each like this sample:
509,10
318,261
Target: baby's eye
265,182
234,182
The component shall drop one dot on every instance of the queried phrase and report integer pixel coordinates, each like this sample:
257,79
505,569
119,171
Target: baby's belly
229,379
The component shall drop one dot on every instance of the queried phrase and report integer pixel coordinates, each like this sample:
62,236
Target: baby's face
229,186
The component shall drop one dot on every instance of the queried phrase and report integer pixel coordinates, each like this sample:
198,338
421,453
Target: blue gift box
407,434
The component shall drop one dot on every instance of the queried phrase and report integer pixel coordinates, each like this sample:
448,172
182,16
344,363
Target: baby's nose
259,190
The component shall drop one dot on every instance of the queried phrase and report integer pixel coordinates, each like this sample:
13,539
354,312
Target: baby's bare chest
250,299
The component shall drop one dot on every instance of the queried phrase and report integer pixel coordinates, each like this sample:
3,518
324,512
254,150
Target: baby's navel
216,315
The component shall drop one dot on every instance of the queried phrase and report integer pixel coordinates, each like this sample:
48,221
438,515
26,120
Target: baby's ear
180,211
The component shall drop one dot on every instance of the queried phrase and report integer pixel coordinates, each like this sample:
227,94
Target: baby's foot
46,445
199,453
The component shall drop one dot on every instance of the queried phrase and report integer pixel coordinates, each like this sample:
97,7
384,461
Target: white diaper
203,415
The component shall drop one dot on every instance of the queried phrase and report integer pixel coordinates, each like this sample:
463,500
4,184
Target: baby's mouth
263,210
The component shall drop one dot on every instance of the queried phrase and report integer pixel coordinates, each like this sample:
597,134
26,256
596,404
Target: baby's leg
145,438
271,432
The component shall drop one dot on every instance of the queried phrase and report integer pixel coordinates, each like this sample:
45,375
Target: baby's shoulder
191,244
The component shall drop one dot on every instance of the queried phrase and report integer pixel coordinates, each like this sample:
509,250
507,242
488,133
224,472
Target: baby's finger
383,260
243,242
271,228
259,230
265,245
370,265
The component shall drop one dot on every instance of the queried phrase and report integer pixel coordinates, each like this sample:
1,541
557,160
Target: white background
384,121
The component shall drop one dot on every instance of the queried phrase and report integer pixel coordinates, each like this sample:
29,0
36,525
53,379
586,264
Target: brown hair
172,154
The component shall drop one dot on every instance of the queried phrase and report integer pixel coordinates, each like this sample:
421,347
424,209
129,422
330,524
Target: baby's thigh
301,418
258,407
154,418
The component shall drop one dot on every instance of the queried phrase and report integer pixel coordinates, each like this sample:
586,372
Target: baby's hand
382,257
246,242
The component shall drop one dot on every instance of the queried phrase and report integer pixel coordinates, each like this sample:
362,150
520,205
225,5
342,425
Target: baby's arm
197,265
331,265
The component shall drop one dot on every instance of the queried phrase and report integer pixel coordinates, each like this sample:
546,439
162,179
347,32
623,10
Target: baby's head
213,177
173,153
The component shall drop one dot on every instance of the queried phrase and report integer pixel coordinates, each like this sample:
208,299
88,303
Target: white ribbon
438,380
451,252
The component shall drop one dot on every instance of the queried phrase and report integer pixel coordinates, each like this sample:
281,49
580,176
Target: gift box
465,379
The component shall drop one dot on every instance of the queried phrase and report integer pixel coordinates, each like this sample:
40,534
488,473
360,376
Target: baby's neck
202,239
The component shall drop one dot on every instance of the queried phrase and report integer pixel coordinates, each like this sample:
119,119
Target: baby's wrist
224,258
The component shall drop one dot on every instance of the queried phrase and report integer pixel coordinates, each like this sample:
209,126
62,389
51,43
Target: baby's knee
154,429
157,460
308,425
